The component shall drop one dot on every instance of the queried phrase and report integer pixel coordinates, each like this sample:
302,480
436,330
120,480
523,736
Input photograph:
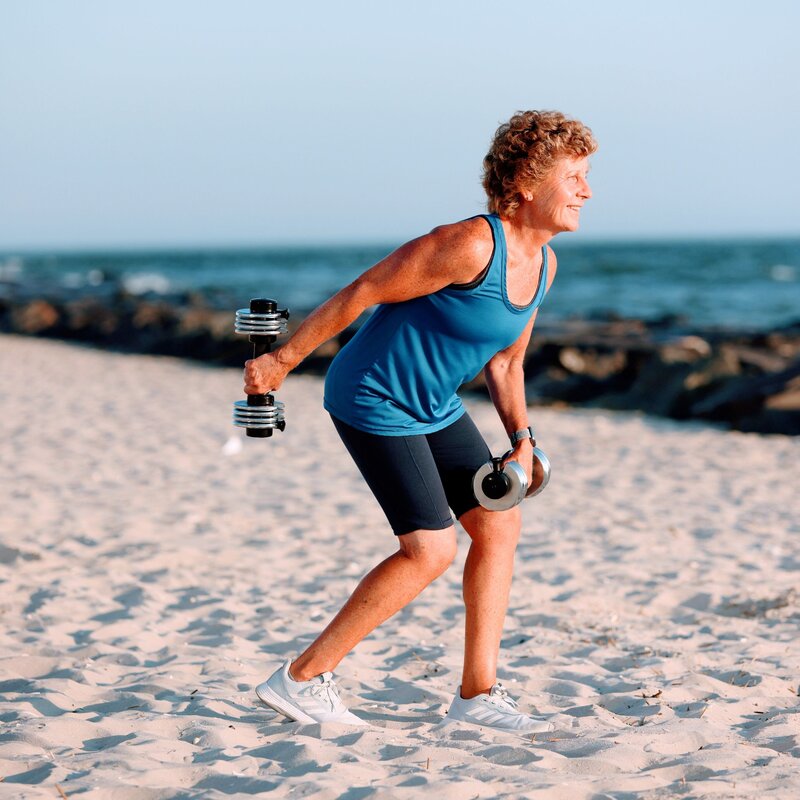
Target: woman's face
557,201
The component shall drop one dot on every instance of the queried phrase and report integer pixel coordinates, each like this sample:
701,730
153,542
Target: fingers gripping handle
260,414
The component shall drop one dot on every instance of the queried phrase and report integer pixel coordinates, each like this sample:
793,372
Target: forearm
506,383
325,322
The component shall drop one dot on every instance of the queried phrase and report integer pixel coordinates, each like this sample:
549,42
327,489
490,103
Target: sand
155,565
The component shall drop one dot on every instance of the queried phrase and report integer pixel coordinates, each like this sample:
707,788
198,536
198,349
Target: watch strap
523,433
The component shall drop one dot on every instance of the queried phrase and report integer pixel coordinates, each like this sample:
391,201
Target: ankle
303,672
298,675
469,692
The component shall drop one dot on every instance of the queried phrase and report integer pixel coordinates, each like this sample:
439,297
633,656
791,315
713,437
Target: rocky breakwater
746,380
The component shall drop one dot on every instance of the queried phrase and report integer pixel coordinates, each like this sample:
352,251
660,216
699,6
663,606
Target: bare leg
487,582
423,556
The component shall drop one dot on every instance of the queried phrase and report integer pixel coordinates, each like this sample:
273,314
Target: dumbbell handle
261,344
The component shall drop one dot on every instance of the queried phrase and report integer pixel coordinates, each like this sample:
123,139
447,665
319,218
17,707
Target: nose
584,190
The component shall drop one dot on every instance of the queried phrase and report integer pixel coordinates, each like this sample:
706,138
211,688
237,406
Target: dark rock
685,350
783,343
788,399
34,318
591,362
89,319
669,321
763,403
657,387
759,361
769,420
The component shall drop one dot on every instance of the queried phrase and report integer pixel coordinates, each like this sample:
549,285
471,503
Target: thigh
403,476
458,450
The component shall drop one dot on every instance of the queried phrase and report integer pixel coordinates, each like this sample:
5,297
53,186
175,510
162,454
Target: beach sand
155,565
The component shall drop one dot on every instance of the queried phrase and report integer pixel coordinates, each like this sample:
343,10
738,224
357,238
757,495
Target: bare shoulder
467,245
470,232
552,266
453,253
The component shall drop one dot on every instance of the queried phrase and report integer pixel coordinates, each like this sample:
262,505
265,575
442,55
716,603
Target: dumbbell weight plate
518,484
261,324
242,407
541,473
257,417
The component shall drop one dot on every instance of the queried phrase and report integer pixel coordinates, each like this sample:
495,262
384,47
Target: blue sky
246,123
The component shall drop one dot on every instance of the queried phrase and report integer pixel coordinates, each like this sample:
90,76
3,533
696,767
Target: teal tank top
399,374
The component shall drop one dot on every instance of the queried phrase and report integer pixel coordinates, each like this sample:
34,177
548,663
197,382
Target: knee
432,553
436,561
494,530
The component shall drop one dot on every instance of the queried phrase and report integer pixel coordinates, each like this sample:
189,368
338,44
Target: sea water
750,284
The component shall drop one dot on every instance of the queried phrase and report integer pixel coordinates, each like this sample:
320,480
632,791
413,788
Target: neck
527,229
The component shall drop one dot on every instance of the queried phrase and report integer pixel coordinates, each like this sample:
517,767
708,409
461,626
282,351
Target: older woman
461,298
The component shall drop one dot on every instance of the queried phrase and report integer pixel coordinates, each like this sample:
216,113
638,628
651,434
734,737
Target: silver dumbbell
499,488
263,322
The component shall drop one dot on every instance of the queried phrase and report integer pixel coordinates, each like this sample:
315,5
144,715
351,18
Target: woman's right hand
264,374
523,455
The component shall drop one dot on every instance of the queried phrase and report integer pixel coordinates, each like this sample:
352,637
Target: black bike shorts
417,479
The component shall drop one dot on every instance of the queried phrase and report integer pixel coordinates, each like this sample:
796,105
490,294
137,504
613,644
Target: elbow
358,297
503,372
501,367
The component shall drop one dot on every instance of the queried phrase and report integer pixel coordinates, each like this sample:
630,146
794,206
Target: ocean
743,284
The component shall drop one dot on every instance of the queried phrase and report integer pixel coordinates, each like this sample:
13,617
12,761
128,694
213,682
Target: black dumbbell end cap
258,433
495,485
263,305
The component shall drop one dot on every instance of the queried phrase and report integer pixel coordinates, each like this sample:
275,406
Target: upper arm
448,254
515,352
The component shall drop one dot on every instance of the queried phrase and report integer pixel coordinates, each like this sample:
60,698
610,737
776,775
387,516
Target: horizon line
7,251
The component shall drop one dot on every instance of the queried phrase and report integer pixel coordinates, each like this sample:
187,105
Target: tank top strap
541,290
497,267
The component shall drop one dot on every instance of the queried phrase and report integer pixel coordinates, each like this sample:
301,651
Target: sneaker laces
499,696
327,687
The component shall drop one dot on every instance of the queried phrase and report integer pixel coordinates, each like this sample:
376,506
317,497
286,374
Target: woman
463,297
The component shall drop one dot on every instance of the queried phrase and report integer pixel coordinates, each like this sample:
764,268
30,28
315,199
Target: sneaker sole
277,703
546,727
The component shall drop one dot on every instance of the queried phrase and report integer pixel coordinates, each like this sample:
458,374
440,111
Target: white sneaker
316,700
495,710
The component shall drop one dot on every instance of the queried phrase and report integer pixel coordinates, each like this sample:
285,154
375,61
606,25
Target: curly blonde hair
524,150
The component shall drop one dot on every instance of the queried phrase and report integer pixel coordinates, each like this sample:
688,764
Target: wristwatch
524,433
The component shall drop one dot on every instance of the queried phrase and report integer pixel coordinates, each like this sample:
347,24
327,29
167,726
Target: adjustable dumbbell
499,488
263,322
